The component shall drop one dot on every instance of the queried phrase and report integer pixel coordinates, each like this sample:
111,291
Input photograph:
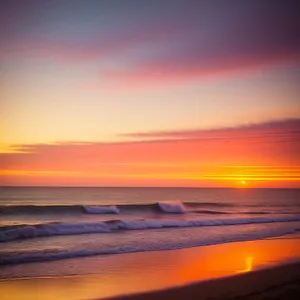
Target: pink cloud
171,44
82,52
171,72
168,157
281,129
184,61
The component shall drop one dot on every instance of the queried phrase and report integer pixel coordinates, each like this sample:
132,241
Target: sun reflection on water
249,265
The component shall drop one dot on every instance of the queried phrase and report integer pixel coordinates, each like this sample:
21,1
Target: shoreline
257,283
208,268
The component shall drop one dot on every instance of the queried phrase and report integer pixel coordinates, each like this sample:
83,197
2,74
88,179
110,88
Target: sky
200,93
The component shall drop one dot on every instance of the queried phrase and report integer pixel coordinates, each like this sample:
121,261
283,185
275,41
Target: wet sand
280,282
225,271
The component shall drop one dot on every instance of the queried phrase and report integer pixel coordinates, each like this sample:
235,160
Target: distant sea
42,223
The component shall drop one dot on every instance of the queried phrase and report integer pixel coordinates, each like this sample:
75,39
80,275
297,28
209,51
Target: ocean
40,224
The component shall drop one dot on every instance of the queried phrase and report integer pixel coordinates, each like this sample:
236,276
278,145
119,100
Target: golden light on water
137,272
249,265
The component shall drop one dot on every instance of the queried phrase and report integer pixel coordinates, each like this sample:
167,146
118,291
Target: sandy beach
208,272
280,282
149,149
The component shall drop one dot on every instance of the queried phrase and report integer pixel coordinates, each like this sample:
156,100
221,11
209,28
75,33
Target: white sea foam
33,255
101,209
171,207
51,229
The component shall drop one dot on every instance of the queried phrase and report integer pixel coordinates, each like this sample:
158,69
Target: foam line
101,209
57,228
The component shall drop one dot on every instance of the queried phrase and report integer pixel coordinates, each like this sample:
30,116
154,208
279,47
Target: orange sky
261,155
150,93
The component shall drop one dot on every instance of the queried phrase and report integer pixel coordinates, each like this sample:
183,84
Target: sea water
39,224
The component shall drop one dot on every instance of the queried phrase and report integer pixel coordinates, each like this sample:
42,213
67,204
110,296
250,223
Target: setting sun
243,182
149,149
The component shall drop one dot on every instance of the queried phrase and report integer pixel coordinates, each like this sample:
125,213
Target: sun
242,183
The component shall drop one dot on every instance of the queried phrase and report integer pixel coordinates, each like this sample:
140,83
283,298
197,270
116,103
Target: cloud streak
194,40
281,129
260,152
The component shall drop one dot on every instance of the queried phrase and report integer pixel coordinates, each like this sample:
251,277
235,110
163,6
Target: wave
158,207
15,232
172,207
101,209
55,254
218,212
40,209
212,212
163,206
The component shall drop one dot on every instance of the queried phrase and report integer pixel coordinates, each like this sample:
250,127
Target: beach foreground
224,271
280,282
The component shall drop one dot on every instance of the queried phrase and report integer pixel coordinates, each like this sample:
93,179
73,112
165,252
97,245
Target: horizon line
145,187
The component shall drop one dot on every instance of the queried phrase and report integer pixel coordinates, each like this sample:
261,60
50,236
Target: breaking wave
171,207
163,206
158,207
101,209
55,254
14,232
